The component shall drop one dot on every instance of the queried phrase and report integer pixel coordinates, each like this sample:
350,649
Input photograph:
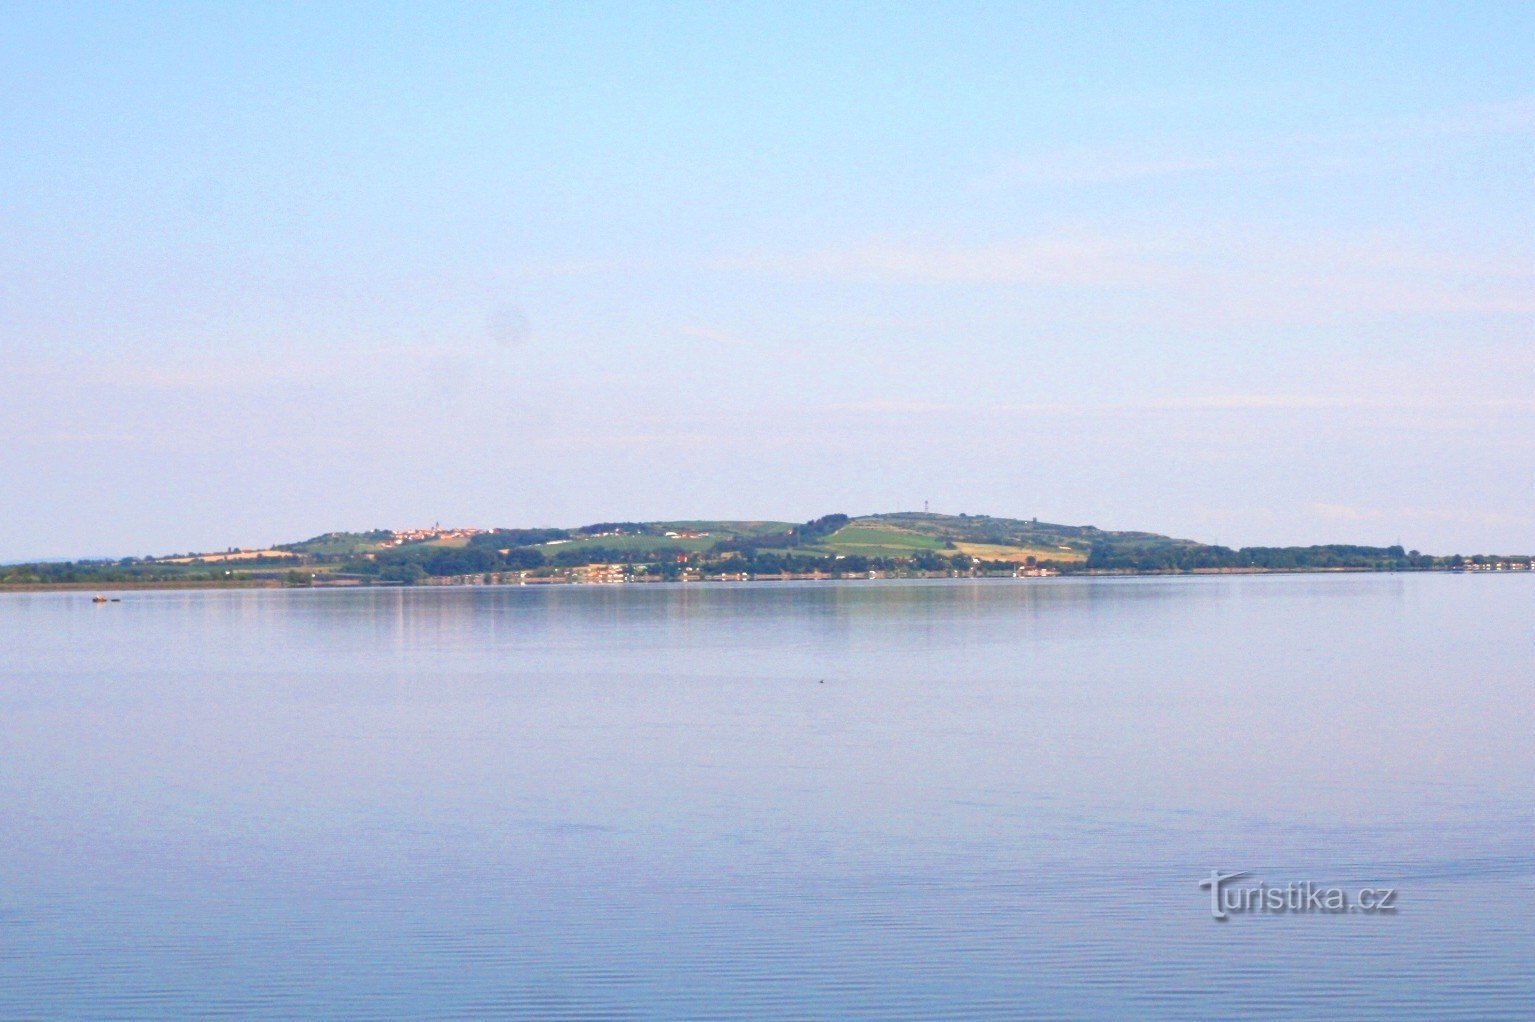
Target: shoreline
107,587
172,586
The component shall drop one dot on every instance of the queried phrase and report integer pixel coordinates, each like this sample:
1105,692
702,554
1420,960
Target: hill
905,543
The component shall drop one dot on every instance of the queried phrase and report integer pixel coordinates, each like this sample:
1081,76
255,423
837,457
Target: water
952,800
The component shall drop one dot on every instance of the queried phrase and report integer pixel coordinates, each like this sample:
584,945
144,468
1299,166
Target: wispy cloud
183,370
72,438
897,406
714,336
1217,276
1060,258
1108,164
1343,149
620,439
1456,515
1510,117
725,436
1192,403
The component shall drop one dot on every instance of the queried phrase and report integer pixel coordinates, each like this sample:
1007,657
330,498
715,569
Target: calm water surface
943,800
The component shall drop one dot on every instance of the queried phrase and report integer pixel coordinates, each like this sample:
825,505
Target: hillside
905,543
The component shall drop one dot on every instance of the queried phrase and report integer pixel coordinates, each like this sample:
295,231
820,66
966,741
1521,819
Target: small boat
98,599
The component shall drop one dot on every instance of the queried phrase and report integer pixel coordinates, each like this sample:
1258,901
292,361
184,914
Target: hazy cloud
714,336
1348,148
1210,402
1214,276
1070,258
1457,515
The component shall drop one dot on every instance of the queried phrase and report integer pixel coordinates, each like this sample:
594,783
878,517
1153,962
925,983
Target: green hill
904,542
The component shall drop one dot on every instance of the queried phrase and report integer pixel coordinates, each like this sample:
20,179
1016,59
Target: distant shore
110,587
901,544
463,582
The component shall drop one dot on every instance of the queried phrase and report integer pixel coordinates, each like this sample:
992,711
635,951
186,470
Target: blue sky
1247,273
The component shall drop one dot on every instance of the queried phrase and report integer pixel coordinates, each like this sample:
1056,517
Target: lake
878,800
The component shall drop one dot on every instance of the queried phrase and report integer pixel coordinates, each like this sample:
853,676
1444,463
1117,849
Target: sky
1243,273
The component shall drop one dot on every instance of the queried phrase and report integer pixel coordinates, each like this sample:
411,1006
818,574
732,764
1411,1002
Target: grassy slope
627,543
720,529
992,539
895,535
901,534
875,540
334,544
717,530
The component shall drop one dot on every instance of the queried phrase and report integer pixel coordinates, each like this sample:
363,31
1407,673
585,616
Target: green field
724,529
878,541
336,544
628,543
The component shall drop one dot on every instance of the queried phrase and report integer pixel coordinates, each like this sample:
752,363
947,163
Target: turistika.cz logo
1295,898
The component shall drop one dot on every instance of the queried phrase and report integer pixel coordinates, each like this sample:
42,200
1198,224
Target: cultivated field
239,555
1020,554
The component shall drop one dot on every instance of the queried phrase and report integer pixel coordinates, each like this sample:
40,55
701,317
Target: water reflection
937,800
